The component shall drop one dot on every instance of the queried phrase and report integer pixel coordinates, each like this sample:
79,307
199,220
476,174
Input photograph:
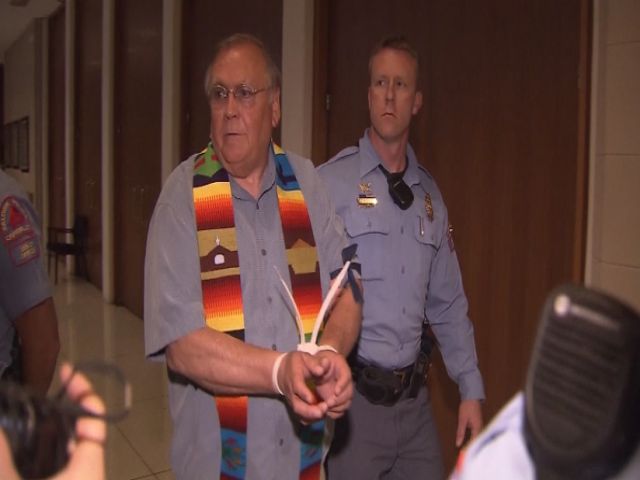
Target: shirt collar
268,180
369,160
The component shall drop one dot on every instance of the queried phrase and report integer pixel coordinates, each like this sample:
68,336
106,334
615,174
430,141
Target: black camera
39,429
399,191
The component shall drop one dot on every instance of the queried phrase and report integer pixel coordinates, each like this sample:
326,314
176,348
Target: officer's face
241,129
393,98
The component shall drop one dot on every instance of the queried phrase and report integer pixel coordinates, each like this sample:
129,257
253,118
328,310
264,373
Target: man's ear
417,103
275,108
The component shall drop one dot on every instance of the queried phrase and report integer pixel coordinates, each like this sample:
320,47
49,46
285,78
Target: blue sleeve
24,280
446,309
328,229
172,291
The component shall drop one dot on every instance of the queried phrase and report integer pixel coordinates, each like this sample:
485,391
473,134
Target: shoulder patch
17,232
452,247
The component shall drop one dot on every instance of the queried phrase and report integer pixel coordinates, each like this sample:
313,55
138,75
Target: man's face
393,98
241,129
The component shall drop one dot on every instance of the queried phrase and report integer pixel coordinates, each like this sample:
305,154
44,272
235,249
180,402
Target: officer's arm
343,325
37,330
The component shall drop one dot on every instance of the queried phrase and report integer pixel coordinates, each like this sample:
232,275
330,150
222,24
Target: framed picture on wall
13,144
22,144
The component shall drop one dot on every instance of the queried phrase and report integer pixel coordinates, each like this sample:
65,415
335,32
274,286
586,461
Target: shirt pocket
371,233
427,245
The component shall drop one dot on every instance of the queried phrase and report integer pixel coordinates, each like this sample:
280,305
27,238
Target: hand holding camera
63,435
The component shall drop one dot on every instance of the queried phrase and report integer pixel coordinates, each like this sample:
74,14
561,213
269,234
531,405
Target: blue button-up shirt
409,265
173,309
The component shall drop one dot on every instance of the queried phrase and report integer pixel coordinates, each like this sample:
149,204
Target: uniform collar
370,160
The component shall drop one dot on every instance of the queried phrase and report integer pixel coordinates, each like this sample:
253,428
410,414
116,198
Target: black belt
381,386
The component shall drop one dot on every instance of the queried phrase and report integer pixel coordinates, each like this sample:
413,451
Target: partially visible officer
29,342
394,211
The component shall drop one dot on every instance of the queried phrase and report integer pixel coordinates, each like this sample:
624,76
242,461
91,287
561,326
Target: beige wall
297,75
22,88
19,100
613,255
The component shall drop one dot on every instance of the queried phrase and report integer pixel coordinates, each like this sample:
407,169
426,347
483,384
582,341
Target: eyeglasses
244,94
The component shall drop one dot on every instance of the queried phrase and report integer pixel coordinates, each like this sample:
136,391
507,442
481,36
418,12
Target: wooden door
138,110
202,30
503,132
88,170
2,122
354,27
57,188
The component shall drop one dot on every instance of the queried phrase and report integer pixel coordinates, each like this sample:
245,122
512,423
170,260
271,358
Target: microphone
582,394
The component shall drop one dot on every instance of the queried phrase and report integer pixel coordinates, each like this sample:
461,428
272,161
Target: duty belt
381,386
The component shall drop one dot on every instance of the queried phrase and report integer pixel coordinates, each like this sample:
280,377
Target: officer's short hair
242,39
395,42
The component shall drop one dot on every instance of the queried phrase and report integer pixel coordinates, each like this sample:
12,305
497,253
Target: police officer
394,211
29,342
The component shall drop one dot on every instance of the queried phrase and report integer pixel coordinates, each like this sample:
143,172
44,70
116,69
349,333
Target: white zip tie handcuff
311,347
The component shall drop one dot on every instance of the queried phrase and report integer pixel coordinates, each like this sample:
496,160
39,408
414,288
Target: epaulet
426,172
344,153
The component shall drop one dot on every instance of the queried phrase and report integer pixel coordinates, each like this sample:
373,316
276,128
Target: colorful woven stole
222,293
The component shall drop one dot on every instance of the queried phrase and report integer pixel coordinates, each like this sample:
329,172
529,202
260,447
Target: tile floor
90,329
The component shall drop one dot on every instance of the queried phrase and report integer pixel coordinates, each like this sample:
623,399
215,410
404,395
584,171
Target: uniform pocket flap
360,222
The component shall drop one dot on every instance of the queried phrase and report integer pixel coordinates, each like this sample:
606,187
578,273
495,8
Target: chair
59,246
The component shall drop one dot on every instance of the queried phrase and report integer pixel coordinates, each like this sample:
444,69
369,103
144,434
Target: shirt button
274,347
269,299
402,230
263,251
281,442
402,270
404,310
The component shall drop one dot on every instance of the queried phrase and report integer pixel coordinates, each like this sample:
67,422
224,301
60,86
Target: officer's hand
469,417
335,387
296,379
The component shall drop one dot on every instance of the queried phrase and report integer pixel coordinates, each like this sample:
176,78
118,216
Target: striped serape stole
222,293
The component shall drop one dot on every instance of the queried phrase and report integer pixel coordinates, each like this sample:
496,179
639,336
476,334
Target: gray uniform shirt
409,266
173,308
23,280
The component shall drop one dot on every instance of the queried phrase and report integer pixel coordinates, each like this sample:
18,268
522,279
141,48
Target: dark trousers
390,443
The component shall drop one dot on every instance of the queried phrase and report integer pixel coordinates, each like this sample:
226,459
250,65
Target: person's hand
86,461
296,378
335,386
469,417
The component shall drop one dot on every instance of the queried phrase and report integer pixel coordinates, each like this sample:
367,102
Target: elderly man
235,229
393,209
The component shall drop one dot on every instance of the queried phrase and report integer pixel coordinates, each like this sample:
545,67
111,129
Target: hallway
138,446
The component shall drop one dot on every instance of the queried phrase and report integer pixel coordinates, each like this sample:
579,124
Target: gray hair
243,39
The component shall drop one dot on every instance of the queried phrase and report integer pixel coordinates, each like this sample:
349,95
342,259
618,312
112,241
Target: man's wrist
274,373
325,348
312,348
